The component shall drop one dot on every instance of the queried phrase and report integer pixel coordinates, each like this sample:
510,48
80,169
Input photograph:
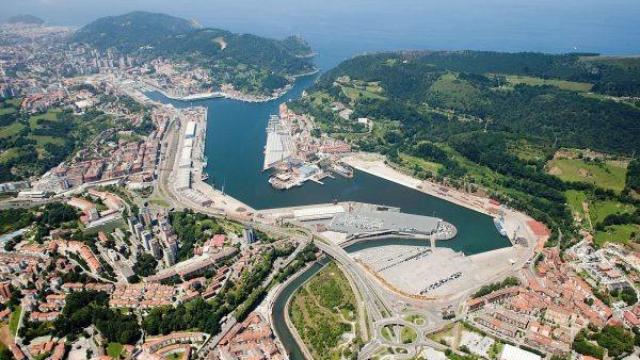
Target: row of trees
487,289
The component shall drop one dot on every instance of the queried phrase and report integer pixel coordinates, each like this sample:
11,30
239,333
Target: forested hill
151,35
529,94
25,19
611,75
485,118
132,31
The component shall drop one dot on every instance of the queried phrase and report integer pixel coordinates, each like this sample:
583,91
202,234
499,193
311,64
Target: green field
536,81
598,210
43,140
114,350
618,234
51,115
10,130
387,333
7,110
527,151
607,175
575,199
455,93
56,135
356,93
408,335
317,312
14,320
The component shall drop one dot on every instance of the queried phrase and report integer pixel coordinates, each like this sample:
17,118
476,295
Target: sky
606,26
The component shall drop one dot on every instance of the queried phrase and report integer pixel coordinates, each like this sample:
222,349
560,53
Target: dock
280,146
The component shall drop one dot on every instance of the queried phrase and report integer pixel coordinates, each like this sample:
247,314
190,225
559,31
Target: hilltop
25,19
240,58
130,32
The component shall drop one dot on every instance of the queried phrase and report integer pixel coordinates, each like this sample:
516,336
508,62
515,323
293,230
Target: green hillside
251,63
490,119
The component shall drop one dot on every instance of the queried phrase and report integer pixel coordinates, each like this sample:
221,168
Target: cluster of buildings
178,344
177,80
37,56
77,248
296,155
250,339
194,266
93,217
153,231
134,160
546,312
142,296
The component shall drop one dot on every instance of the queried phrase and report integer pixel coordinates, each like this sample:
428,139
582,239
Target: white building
190,131
513,353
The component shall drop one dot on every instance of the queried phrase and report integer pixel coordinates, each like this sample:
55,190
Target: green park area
415,319
323,311
591,213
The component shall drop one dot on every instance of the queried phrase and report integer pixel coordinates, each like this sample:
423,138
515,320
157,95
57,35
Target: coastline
374,164
239,96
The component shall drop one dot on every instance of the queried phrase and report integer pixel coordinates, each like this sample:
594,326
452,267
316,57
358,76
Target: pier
279,147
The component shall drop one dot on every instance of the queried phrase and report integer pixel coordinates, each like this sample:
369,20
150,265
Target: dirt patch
585,173
555,171
5,335
565,154
220,41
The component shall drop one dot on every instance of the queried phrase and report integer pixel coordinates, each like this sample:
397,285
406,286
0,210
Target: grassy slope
562,84
617,233
456,93
575,199
10,130
599,210
605,175
13,321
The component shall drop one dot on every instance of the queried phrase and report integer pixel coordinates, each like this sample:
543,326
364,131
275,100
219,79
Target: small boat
205,176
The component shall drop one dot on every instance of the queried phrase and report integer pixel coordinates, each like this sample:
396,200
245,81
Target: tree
145,265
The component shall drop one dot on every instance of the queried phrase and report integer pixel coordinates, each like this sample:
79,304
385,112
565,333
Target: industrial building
190,131
359,223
